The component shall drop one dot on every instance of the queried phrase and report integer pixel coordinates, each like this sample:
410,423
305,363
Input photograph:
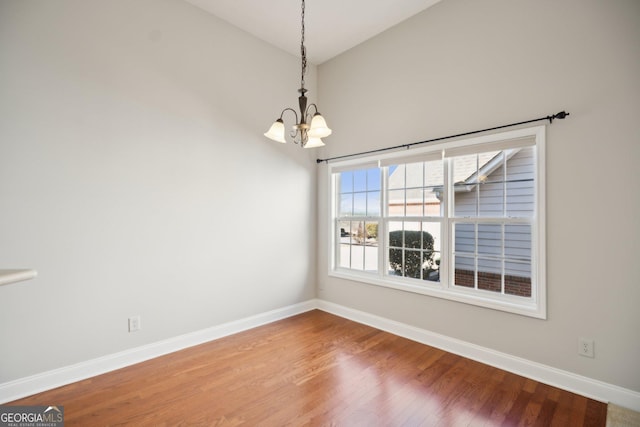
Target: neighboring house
501,187
494,184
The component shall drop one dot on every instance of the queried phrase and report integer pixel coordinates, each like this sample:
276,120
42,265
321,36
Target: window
358,219
462,220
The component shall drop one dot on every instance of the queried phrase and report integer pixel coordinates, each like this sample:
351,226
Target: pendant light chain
303,51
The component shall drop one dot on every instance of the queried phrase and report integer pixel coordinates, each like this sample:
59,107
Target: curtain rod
560,115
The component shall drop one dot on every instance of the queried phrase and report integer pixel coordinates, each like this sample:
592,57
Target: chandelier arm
296,130
289,109
308,114
298,138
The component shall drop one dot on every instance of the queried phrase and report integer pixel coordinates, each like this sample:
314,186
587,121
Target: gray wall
464,65
135,178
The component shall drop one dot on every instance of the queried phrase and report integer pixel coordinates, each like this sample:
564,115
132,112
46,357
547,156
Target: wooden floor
316,369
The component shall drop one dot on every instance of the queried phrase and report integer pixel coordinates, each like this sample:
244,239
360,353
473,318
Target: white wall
135,178
465,65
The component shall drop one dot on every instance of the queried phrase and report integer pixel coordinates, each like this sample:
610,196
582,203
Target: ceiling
331,26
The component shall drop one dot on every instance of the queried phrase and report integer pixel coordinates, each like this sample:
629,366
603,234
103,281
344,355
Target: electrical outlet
134,323
585,347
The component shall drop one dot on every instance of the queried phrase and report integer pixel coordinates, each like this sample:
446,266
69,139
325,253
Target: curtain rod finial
560,115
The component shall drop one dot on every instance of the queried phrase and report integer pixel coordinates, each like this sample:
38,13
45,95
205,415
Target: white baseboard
594,389
565,380
28,386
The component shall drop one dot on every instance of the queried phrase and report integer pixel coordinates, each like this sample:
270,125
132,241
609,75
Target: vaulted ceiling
331,26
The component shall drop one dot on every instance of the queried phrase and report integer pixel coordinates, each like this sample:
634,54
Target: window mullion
383,232
446,248
476,231
337,200
503,257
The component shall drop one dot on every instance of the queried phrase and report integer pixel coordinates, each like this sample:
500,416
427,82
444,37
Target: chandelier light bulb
276,131
314,143
319,128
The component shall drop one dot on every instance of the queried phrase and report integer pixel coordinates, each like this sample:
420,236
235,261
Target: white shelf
16,275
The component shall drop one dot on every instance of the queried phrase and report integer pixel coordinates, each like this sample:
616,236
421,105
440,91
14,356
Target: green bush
372,230
415,243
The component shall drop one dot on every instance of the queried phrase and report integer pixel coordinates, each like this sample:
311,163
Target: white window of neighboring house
462,220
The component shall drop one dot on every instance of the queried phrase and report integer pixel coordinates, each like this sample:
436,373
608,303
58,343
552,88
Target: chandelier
309,129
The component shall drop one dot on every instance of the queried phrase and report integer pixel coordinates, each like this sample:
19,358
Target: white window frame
535,306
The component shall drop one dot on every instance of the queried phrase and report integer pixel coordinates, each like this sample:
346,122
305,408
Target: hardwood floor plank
596,414
316,369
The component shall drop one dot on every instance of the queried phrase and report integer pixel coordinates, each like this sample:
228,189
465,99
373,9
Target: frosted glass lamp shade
276,131
314,143
318,127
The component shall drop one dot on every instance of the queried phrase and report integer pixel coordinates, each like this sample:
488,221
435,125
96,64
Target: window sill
495,302
11,276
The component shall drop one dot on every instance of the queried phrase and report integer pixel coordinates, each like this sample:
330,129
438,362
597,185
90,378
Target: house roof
468,170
